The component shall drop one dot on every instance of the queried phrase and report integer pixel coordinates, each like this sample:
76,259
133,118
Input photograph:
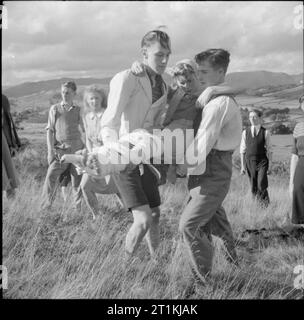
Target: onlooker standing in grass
218,130
10,144
63,136
296,185
95,103
256,155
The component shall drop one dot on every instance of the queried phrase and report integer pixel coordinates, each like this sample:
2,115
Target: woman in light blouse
95,103
296,183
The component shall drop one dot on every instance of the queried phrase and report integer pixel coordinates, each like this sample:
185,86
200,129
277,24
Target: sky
53,39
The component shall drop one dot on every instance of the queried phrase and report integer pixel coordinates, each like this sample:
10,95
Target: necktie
157,88
255,131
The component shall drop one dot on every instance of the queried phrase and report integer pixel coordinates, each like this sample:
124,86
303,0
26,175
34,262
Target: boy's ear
222,71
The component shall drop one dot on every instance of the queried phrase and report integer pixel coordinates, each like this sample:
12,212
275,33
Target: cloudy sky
53,39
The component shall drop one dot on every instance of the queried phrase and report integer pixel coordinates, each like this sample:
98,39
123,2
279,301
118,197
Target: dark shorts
137,190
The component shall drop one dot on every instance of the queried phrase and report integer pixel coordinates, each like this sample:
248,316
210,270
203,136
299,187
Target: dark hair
257,111
218,58
156,35
70,84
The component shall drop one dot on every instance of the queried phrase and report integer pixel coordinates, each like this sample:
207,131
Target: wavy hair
184,68
94,89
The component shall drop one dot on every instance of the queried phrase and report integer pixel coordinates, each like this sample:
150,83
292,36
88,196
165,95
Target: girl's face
94,100
188,83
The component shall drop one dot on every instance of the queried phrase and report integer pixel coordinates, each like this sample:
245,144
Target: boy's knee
145,222
143,219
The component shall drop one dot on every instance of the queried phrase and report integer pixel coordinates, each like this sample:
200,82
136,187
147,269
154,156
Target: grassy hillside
49,258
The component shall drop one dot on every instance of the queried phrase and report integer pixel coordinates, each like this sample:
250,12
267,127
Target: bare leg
142,220
152,236
65,193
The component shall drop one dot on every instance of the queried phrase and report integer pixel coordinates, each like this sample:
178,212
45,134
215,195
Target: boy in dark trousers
256,153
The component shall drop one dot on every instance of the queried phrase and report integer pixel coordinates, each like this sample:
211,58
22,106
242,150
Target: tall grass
47,257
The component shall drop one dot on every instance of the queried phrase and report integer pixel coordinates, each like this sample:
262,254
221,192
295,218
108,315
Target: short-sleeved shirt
92,127
298,139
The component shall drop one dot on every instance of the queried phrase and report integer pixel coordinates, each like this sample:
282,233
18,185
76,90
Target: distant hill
298,77
260,79
29,88
248,80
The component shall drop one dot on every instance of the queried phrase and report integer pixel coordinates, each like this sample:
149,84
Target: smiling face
156,57
94,101
210,76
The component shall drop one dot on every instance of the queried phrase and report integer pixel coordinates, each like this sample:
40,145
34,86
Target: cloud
50,39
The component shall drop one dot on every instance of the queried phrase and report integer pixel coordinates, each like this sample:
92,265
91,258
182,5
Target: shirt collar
93,115
152,74
67,106
257,128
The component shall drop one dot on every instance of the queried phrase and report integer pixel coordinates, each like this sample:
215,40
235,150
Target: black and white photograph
152,151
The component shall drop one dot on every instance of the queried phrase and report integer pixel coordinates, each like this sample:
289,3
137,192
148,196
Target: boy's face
254,118
188,83
94,100
209,76
67,94
156,57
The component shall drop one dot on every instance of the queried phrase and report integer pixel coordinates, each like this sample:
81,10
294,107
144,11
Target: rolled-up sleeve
51,119
243,143
121,88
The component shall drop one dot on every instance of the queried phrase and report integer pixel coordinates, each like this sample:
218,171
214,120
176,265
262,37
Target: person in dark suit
256,153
